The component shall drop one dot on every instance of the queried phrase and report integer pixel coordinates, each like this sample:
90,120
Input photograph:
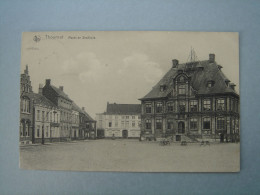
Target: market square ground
131,155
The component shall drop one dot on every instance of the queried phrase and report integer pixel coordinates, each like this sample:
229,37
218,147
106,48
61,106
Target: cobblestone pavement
131,155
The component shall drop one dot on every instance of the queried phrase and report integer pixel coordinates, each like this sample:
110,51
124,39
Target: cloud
139,65
86,66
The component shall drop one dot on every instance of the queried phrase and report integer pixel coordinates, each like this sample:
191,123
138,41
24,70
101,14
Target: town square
131,156
181,119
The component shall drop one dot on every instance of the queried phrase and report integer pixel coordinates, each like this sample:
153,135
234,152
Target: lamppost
54,112
43,133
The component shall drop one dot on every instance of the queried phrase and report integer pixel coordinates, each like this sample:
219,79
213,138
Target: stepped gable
200,73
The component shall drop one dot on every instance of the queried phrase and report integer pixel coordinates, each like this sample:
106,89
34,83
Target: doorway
178,138
181,127
222,137
125,134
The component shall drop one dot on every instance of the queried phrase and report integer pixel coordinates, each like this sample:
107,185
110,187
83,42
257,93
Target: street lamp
54,112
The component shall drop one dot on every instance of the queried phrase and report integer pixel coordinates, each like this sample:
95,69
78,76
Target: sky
119,66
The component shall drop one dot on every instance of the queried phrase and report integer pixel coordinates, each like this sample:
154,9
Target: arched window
28,128
50,116
25,127
25,105
21,128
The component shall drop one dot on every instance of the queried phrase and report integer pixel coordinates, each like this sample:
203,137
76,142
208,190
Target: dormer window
162,87
227,81
180,71
181,89
210,84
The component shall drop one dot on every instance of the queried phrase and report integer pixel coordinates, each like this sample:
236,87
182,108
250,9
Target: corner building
193,100
26,108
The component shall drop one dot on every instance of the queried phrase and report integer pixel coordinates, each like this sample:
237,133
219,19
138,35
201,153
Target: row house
193,99
50,115
119,120
75,121
64,103
84,127
46,119
88,125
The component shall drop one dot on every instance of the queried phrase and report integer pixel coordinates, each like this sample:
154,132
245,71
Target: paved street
130,155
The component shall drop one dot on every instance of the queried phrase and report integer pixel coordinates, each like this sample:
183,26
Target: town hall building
193,100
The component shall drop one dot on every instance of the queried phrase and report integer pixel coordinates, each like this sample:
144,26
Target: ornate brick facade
193,100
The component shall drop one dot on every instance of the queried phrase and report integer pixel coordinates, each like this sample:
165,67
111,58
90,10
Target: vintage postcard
130,101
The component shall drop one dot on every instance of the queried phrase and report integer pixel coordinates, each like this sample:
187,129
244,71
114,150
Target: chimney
211,58
219,67
26,71
48,82
61,88
83,108
40,89
232,85
175,63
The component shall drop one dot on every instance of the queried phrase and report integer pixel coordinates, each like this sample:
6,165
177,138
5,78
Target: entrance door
124,133
178,138
222,137
181,127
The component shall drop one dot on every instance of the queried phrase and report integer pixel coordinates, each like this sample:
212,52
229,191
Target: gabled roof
130,109
200,73
41,100
77,108
60,93
89,118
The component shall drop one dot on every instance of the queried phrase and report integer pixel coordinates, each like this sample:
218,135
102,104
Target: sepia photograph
130,101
